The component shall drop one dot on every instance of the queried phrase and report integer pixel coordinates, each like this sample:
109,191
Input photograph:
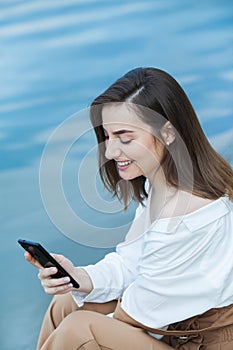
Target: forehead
122,115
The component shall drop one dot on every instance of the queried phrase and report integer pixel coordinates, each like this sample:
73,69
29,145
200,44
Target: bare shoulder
191,202
185,203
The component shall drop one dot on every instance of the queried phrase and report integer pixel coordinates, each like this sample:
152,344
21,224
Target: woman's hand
61,285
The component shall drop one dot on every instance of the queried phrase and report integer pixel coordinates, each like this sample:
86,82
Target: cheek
149,152
156,150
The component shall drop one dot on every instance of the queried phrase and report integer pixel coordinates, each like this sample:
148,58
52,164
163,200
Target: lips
123,164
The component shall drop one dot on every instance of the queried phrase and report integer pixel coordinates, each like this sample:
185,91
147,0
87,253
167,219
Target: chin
129,176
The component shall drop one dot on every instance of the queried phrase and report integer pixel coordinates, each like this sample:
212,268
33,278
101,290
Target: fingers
45,273
56,286
51,285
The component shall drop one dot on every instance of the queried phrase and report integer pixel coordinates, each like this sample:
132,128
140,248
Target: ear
168,133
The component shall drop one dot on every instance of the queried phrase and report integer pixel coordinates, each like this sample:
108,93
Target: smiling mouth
123,164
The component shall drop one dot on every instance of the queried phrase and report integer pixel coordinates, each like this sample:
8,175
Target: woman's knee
76,328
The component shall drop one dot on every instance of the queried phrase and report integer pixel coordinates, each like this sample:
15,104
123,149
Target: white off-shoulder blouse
171,269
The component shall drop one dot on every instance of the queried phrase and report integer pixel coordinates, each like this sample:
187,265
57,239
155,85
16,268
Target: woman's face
129,141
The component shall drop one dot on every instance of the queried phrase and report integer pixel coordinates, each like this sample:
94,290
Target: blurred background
55,58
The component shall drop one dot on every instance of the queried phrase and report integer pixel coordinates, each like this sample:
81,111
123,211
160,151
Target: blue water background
55,57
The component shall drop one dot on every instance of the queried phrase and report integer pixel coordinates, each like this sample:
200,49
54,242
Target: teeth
127,162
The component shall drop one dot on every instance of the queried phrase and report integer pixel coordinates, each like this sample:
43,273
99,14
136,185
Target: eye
124,142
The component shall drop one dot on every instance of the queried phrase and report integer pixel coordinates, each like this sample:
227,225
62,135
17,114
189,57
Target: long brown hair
156,90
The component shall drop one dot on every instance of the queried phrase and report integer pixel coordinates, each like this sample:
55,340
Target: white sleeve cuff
79,297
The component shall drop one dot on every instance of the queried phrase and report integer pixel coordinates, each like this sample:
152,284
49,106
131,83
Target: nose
112,149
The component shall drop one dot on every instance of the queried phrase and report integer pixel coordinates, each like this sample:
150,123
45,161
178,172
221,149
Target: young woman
173,274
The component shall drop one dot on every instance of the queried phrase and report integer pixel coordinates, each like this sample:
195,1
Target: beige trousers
68,327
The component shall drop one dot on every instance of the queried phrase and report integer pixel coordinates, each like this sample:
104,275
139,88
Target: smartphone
46,259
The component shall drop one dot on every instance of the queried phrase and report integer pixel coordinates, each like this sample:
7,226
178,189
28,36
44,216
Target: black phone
46,259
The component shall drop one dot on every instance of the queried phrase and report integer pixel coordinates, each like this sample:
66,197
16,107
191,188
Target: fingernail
70,285
66,279
53,270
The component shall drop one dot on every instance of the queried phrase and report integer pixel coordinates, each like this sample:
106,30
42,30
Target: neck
161,194
159,185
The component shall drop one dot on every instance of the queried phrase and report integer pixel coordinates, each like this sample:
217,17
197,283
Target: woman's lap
88,327
67,326
83,325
